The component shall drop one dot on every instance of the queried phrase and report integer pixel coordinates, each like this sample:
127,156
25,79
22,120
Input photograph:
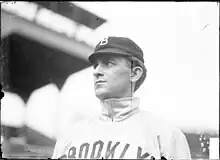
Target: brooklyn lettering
97,150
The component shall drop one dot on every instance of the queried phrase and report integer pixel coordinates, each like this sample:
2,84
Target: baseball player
122,130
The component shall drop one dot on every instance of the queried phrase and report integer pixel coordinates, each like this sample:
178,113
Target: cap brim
107,51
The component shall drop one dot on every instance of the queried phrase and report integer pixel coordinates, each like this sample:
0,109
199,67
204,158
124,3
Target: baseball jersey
123,131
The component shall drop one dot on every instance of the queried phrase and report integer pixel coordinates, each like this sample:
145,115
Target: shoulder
158,124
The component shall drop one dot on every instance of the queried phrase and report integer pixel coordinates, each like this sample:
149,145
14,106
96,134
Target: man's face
111,77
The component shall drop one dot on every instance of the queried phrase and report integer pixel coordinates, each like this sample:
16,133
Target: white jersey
123,131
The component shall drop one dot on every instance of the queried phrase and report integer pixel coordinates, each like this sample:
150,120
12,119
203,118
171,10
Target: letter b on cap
104,41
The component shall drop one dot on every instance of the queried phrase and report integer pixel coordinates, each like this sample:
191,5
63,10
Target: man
122,130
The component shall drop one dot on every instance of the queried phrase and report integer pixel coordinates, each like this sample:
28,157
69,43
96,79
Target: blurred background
48,81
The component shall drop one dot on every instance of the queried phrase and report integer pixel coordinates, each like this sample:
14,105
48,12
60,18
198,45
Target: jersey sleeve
179,146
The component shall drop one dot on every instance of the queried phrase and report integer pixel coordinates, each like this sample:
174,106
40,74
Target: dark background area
30,65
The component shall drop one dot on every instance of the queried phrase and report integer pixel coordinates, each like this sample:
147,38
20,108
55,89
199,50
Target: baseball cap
117,45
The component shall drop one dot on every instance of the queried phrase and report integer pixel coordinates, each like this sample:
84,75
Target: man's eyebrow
111,58
105,58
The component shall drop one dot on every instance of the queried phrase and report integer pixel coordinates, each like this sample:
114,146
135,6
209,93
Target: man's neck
117,109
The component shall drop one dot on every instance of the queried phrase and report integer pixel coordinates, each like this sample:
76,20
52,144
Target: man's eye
109,63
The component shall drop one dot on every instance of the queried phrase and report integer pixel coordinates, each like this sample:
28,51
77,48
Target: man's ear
136,73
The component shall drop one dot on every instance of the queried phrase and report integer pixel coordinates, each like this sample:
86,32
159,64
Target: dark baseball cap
117,45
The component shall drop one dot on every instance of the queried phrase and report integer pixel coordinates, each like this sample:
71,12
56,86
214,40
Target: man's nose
98,71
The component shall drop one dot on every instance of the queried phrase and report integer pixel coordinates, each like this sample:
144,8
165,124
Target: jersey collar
119,109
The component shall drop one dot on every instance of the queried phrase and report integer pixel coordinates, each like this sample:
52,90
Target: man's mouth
99,82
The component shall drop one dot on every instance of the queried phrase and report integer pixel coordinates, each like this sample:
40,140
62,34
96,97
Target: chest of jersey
112,140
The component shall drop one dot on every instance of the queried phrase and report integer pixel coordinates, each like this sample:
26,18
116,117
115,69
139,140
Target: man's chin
101,94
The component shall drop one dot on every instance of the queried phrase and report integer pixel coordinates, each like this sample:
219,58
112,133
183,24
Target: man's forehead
106,56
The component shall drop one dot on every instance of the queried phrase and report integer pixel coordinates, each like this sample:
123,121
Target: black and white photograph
109,80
